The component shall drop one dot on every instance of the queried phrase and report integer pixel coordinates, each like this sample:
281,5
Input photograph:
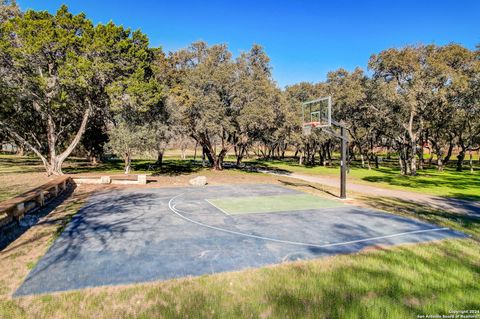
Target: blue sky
304,39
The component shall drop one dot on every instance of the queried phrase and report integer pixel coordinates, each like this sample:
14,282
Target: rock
105,180
142,179
198,181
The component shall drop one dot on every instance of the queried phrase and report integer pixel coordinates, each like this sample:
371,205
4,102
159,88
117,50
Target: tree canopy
65,82
62,69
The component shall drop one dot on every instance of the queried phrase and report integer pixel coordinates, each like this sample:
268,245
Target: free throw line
217,207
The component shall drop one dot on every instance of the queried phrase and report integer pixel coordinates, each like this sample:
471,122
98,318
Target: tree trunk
239,160
329,154
400,163
460,159
446,159
209,156
54,167
320,156
195,152
405,163
284,148
430,159
218,160
63,156
160,158
240,153
471,160
324,156
307,152
128,161
438,151
413,159
421,157
312,156
235,150
440,163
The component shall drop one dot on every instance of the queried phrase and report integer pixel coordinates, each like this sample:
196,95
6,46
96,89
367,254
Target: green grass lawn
449,183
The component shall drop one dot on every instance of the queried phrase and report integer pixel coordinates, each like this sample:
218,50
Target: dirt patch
227,177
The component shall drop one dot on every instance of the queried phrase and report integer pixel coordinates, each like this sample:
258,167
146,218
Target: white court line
217,207
178,213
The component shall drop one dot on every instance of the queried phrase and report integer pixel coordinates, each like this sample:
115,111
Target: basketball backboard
317,113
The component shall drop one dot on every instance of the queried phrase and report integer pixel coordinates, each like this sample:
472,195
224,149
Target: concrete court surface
139,235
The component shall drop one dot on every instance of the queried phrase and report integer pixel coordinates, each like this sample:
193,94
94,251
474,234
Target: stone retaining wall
139,179
15,208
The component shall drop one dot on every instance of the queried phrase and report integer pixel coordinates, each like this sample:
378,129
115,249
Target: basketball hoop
309,126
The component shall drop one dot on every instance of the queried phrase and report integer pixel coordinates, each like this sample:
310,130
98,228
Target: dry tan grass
14,184
360,283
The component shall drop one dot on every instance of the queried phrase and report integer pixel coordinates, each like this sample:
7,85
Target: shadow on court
300,184
11,233
140,235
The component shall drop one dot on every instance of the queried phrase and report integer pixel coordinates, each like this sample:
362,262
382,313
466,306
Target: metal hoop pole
343,164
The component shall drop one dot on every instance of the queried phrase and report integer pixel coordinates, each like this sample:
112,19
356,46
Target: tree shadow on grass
170,167
430,178
469,224
400,281
20,165
259,167
405,181
461,196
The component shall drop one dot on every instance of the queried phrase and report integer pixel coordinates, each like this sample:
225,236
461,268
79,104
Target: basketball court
139,235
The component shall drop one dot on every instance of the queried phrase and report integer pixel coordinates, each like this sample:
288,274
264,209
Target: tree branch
20,139
79,134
